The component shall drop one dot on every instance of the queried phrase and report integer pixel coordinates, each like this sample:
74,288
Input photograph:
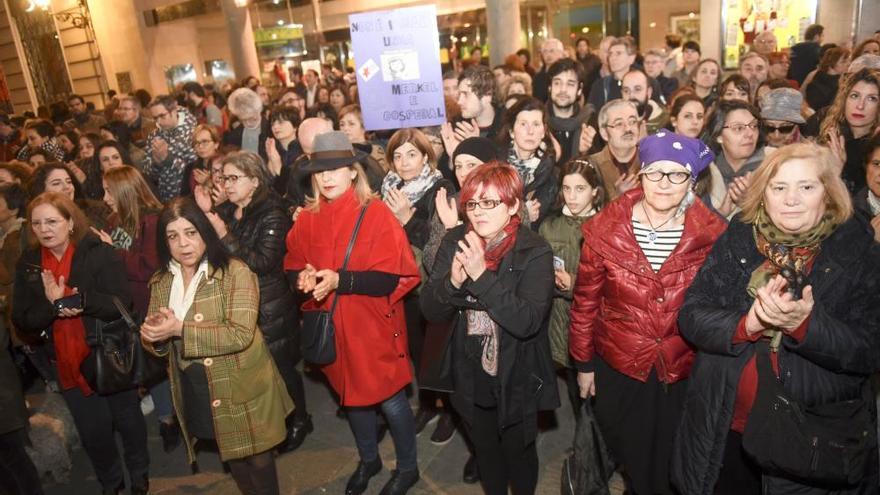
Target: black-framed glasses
740,128
620,124
673,177
484,204
231,178
783,129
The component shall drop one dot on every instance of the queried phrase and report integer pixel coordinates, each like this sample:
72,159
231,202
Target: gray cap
782,104
864,61
332,150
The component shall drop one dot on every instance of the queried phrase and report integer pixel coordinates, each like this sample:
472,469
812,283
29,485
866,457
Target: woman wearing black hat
372,367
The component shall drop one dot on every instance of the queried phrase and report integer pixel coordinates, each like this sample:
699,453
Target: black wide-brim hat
332,150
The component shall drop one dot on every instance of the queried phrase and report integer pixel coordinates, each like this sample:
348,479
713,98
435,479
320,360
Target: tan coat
249,401
605,163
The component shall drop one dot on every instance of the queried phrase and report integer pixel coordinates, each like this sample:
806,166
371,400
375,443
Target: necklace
652,235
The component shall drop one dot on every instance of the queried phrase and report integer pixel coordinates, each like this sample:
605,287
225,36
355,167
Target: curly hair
481,78
835,119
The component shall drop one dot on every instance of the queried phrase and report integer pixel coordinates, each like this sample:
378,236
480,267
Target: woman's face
239,187
6,177
283,130
516,88
489,222
61,182
861,105
337,99
779,132
578,194
50,227
464,165
528,131
185,243
334,183
872,48
707,76
86,148
779,70
731,92
740,135
65,143
352,127
34,139
107,135
36,160
323,95
690,119
872,172
108,198
841,65
205,145
663,195
109,157
5,213
409,161
795,197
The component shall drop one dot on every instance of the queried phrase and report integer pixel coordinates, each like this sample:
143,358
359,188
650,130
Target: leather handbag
827,444
318,334
589,467
118,361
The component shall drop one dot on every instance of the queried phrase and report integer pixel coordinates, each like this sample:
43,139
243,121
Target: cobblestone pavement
328,456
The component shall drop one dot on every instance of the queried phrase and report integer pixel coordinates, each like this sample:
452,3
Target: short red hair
497,174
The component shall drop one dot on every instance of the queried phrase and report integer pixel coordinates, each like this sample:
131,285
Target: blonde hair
361,186
133,196
837,198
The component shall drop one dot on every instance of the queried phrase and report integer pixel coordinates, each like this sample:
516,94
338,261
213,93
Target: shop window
179,74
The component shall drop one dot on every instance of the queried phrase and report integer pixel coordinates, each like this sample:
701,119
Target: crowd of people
640,225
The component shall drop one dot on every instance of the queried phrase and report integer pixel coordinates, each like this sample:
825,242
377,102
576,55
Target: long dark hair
525,105
37,183
718,118
187,209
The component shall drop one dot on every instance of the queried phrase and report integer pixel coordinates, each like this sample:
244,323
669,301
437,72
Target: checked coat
249,400
168,174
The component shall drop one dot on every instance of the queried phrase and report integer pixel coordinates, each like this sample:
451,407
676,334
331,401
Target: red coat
622,310
372,360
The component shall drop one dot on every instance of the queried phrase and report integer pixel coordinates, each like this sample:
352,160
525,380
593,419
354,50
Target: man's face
77,105
565,89
500,77
654,65
450,88
618,59
765,43
622,129
127,112
582,48
755,70
690,56
166,119
635,87
550,53
311,79
471,104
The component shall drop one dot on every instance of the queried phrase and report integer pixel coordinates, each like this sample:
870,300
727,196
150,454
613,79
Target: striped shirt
658,245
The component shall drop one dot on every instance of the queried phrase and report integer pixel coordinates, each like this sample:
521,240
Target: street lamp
241,3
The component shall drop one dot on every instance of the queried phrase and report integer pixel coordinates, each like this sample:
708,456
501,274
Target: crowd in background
549,229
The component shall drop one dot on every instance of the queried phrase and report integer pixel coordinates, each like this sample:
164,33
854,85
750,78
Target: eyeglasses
204,142
231,178
49,222
484,204
673,177
783,129
739,128
622,124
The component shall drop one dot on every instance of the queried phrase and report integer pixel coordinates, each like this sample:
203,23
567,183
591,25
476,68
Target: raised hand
446,210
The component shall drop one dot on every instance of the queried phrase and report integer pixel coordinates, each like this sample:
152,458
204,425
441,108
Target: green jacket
249,401
565,237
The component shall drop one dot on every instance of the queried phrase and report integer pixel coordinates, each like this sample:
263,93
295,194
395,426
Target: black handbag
318,334
118,361
587,470
827,444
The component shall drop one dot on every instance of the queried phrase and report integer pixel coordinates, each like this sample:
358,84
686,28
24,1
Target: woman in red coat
372,366
640,254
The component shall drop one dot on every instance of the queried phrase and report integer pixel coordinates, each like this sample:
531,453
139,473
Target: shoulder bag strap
124,313
768,383
357,227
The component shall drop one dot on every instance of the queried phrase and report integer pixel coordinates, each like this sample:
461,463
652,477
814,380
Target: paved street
324,462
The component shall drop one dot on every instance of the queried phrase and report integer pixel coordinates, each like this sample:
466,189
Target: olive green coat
565,237
249,401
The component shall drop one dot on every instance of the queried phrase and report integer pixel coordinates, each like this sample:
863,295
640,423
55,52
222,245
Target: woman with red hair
493,278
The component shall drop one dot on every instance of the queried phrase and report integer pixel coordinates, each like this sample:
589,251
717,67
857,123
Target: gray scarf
415,188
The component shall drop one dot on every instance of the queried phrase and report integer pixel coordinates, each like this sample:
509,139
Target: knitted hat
782,104
690,153
479,147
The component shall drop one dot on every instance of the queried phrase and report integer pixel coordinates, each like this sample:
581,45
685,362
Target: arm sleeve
31,311
265,252
437,297
109,280
367,283
141,260
587,298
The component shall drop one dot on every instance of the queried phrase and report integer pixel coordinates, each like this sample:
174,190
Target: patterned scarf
479,323
524,167
415,188
873,203
788,255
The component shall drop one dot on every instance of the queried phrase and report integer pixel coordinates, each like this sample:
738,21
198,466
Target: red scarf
69,334
497,248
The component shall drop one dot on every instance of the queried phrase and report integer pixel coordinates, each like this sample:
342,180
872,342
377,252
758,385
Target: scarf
584,214
873,203
414,188
68,334
789,255
479,323
524,167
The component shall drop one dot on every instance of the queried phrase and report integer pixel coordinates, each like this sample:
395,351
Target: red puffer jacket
622,310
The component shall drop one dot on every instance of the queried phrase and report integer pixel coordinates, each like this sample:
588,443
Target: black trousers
504,460
739,475
97,417
18,476
286,355
256,474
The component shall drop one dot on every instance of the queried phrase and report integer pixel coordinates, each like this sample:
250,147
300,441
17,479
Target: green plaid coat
249,401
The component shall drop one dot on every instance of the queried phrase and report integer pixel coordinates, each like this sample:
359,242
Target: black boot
471,472
170,433
296,434
141,487
114,491
358,481
400,482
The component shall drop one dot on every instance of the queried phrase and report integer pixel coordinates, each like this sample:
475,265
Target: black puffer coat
418,228
258,239
840,350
